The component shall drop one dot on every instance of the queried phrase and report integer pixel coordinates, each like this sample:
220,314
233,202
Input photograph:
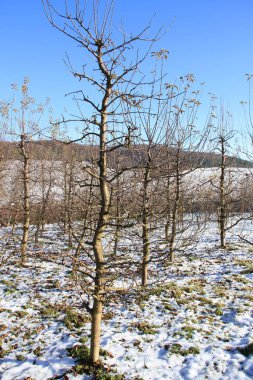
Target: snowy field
189,323
45,172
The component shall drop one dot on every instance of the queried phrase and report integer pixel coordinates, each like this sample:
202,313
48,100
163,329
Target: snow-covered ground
188,324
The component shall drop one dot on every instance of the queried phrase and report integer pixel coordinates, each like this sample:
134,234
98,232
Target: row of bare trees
156,191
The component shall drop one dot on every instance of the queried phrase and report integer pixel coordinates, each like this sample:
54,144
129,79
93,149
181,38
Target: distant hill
58,151
208,160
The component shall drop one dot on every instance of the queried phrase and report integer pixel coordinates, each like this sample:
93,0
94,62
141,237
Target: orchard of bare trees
118,213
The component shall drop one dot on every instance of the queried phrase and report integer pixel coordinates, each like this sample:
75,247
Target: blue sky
213,39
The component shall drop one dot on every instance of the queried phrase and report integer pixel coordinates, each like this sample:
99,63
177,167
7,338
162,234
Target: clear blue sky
213,39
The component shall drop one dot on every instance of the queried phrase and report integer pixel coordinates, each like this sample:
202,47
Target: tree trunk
97,316
145,223
105,195
99,289
222,208
96,331
36,235
168,209
117,228
175,210
26,200
146,252
42,212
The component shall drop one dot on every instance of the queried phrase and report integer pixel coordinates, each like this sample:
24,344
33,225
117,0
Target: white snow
152,334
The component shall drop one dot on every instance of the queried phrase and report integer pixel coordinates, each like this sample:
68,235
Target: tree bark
97,317
26,199
175,210
145,224
222,208
105,195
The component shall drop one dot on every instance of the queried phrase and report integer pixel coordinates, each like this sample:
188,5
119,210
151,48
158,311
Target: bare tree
45,179
23,116
227,186
184,140
113,76
150,121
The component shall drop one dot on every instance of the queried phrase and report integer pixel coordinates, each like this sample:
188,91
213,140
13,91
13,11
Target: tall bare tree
226,186
184,139
112,78
23,117
152,132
